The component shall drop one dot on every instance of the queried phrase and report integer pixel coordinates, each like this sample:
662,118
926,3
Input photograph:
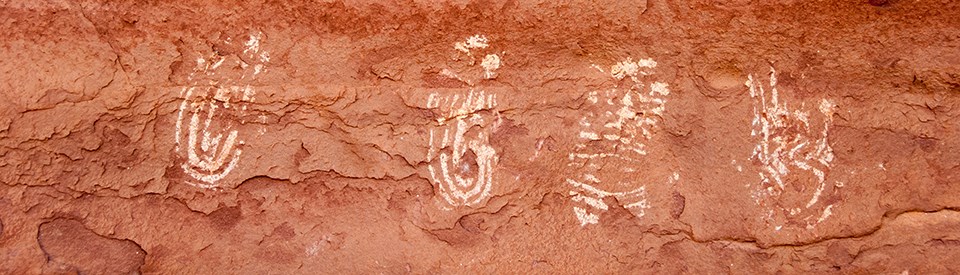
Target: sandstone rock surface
494,136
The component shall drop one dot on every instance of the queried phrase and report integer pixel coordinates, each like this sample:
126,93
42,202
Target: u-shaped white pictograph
212,151
207,135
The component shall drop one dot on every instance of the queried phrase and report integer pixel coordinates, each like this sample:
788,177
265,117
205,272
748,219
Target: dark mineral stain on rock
225,218
72,248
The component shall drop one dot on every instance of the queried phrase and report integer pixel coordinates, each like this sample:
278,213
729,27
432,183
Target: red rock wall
480,137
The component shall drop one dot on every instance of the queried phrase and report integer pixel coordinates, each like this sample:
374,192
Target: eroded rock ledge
480,136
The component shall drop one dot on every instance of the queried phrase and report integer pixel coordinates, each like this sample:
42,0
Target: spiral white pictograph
461,160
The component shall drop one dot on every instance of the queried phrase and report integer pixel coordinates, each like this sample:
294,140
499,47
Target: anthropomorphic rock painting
794,157
614,132
208,137
461,160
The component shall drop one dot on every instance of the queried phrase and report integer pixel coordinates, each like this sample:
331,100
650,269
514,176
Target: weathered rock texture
479,137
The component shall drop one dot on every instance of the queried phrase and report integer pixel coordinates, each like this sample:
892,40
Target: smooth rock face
480,137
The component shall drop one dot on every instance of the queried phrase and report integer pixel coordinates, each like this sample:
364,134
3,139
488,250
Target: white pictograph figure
613,136
461,158
489,64
207,120
794,158
212,143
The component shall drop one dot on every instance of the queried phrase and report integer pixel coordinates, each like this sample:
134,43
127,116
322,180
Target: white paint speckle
478,41
584,217
490,64
592,201
589,135
629,68
313,249
597,67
